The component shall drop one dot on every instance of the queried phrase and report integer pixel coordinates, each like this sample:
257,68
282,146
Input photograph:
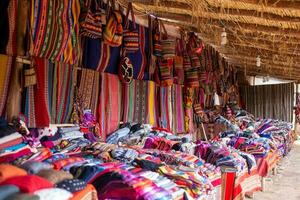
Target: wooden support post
13,107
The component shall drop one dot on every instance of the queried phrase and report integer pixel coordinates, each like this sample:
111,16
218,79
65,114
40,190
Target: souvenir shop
99,100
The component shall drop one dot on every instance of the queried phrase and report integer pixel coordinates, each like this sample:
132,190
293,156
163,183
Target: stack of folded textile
36,180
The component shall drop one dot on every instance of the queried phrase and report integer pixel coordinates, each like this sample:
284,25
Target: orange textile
89,193
8,171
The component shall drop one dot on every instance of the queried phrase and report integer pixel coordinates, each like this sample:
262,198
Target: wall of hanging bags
129,72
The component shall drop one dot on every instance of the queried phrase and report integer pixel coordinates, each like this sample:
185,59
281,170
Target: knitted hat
54,176
33,167
72,185
7,171
28,183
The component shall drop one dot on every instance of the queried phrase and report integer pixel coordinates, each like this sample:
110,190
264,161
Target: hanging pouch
113,33
167,43
30,78
130,36
90,21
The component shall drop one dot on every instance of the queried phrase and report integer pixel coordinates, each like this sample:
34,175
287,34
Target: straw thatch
269,28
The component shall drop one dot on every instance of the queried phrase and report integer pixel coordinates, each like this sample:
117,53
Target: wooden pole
13,107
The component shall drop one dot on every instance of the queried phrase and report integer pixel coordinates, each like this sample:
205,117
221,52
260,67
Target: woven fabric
12,10
54,29
178,111
178,70
166,109
63,92
109,108
89,88
37,110
166,71
89,193
5,68
139,58
139,102
168,47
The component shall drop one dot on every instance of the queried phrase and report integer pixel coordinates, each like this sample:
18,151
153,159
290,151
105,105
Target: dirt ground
286,184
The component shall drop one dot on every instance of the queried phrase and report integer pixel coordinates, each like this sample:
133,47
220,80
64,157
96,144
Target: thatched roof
269,28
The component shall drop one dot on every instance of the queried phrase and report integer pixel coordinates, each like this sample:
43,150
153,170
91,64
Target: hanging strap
162,26
130,10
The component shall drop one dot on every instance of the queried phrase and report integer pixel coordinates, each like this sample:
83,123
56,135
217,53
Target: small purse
166,71
30,78
130,36
90,22
113,32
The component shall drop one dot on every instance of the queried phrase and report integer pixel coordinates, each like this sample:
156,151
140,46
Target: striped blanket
139,102
166,109
109,108
51,99
89,88
62,91
54,29
36,108
5,69
178,111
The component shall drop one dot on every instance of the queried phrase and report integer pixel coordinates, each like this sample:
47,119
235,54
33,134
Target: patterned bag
30,77
113,33
125,70
191,77
90,22
167,44
130,36
166,71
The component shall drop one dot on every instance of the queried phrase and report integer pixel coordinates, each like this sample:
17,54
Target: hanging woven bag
90,21
167,43
130,35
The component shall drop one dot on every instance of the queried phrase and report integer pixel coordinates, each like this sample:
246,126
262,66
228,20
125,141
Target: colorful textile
246,183
166,111
178,110
54,29
8,171
89,193
101,57
53,193
109,109
89,88
62,93
72,185
12,10
67,161
36,109
54,176
139,58
139,102
5,68
28,183
227,185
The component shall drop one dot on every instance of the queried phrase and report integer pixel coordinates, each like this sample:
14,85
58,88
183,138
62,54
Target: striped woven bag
90,22
166,71
167,43
130,36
